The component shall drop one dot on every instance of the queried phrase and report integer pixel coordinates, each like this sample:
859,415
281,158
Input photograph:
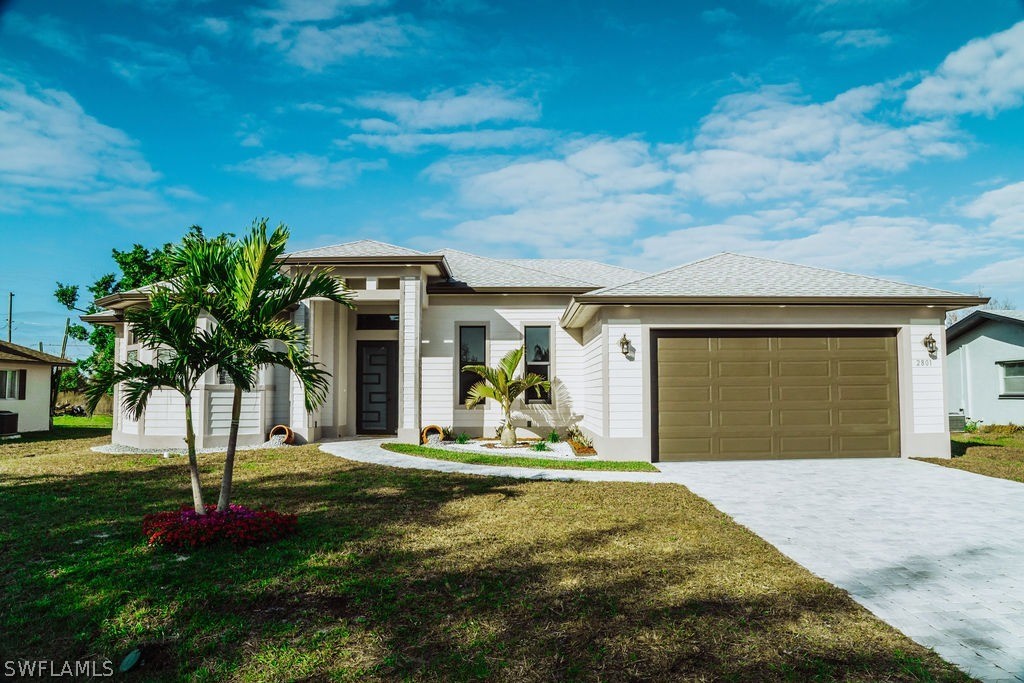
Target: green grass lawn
993,456
519,461
414,575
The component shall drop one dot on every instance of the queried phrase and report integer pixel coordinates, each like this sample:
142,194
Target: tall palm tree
186,351
500,384
246,292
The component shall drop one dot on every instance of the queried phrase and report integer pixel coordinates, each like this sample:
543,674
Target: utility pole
10,314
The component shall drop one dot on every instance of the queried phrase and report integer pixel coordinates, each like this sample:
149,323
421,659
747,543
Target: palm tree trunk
508,434
229,462
193,462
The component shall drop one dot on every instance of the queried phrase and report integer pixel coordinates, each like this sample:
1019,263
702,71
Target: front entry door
377,387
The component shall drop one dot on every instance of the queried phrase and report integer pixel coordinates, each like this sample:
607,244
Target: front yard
993,456
399,574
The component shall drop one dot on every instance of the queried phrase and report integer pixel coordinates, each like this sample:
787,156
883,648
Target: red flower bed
238,526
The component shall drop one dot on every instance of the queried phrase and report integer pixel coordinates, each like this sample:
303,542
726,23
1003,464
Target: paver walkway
937,553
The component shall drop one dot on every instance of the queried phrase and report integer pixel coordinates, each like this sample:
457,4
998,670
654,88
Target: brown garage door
728,395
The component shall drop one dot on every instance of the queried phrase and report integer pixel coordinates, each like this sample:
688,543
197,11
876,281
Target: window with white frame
1013,378
537,339
11,384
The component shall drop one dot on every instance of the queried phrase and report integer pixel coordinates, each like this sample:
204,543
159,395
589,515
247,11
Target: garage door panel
744,369
744,344
804,392
801,343
744,392
682,395
789,417
799,394
745,418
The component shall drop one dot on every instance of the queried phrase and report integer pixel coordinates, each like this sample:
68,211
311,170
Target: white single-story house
985,357
727,357
25,377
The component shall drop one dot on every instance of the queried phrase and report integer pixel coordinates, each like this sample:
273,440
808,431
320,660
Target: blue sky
876,136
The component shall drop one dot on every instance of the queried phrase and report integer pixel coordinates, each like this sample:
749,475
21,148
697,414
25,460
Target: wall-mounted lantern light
624,345
930,344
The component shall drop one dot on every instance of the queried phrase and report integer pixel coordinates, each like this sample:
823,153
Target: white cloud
46,30
834,12
452,109
863,39
772,143
215,27
399,142
298,11
869,244
306,170
53,153
593,192
983,77
1005,272
1004,207
302,30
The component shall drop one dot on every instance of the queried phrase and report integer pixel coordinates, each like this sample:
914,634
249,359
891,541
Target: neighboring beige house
985,356
727,357
25,376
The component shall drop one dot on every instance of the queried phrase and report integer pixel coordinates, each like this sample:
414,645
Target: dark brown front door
732,395
376,387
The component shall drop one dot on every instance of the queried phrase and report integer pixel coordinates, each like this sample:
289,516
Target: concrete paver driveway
936,552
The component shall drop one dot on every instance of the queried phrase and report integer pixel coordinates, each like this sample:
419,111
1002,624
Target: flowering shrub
238,526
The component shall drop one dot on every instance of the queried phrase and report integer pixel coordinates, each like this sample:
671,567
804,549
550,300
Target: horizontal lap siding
593,379
219,414
625,380
504,333
165,414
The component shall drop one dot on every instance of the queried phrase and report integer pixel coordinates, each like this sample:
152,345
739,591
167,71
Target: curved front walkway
935,552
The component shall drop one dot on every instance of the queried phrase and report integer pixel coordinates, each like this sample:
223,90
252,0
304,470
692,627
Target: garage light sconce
930,344
624,345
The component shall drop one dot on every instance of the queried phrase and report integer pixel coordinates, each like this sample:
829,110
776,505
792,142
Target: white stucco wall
34,411
975,378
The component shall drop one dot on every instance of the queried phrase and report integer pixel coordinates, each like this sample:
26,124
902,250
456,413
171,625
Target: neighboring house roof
479,273
15,353
597,273
975,318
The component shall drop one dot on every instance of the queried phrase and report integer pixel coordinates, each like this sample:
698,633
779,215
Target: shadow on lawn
398,574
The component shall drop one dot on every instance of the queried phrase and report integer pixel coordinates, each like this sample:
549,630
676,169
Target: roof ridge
515,265
660,272
364,240
584,260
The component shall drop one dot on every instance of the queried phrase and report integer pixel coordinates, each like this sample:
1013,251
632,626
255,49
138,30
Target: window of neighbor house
538,360
11,387
472,351
223,377
1013,378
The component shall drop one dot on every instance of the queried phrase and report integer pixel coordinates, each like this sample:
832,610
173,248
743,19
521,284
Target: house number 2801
923,363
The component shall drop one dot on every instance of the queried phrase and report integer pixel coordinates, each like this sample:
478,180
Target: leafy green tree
248,295
170,322
500,384
138,267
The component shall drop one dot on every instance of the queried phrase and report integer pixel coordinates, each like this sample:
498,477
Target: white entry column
409,319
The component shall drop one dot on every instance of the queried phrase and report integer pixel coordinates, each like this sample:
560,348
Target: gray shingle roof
355,249
730,275
482,272
979,316
596,273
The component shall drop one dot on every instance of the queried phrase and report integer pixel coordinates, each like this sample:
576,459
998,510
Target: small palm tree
500,384
246,293
171,323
